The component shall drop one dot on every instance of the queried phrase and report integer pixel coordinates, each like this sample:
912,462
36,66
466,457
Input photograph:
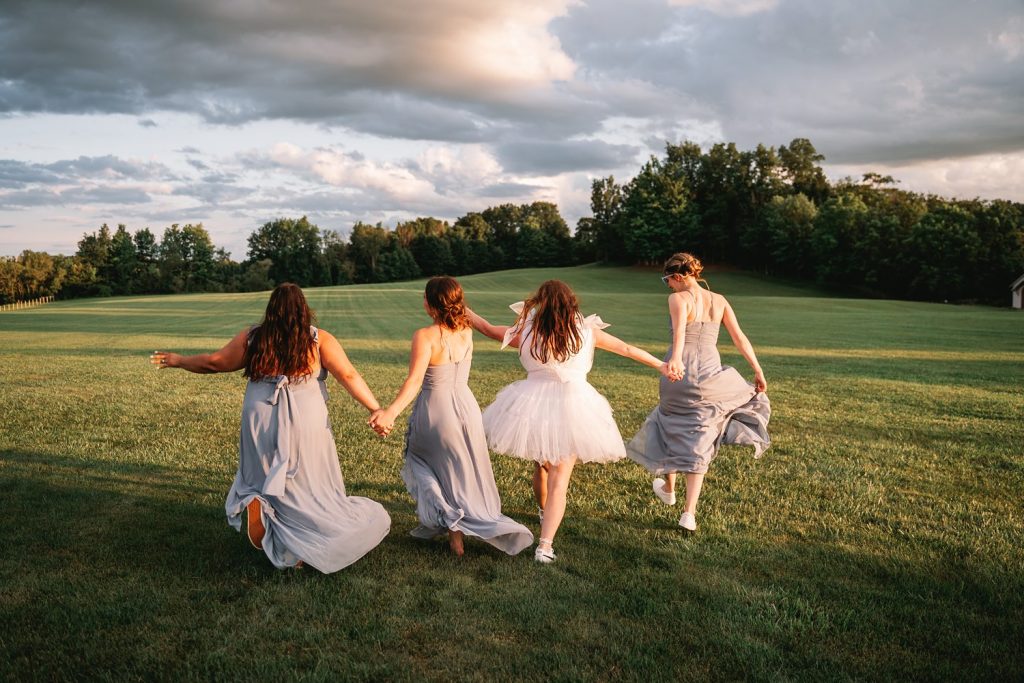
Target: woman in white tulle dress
554,417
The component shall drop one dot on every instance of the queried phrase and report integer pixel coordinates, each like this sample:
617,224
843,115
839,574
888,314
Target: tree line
773,210
185,259
768,209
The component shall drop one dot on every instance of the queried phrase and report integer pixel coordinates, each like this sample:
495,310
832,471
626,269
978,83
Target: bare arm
743,346
419,360
228,358
336,362
605,341
678,306
495,332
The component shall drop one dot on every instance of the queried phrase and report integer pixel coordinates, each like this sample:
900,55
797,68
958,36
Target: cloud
147,123
986,176
506,190
740,8
104,195
109,167
228,62
17,174
552,158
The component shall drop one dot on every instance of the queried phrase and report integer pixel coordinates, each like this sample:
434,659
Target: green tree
366,244
340,268
657,215
800,166
789,226
294,247
123,262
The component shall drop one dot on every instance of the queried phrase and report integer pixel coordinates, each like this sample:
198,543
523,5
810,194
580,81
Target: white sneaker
544,556
659,491
688,521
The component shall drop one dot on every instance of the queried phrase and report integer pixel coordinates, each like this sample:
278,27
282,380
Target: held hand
675,369
382,422
760,383
164,359
663,369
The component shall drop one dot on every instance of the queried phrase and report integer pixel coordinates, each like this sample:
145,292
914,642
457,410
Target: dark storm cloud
147,123
865,81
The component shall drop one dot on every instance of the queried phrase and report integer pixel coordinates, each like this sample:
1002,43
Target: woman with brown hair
554,417
712,404
288,478
447,468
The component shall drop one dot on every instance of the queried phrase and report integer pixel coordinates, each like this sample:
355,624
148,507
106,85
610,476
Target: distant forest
770,209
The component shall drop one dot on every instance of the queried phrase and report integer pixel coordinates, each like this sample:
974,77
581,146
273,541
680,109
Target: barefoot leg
455,542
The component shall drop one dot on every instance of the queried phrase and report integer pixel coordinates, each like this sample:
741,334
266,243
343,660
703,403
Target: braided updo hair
685,263
446,302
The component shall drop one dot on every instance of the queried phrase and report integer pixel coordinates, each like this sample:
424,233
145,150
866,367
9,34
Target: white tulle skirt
547,420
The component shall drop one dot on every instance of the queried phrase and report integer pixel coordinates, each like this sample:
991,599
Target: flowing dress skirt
288,460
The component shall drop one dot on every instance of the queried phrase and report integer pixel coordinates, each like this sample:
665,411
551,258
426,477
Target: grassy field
880,538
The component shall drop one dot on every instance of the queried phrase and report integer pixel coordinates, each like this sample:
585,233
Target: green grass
880,537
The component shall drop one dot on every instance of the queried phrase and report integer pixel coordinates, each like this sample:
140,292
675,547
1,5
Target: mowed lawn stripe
879,538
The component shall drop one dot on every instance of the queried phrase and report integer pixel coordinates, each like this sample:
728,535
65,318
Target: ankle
544,543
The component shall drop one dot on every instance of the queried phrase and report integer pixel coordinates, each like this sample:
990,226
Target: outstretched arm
419,358
744,347
495,332
605,341
336,362
228,358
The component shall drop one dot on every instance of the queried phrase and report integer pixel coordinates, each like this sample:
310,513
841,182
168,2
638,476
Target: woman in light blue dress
288,479
447,467
710,403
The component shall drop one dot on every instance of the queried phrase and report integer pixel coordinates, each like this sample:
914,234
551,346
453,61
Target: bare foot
256,529
299,565
455,542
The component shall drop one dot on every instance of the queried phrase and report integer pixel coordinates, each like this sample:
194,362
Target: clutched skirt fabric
288,460
712,405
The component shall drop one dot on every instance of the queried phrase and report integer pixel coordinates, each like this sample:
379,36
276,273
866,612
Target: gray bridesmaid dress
710,406
288,460
447,466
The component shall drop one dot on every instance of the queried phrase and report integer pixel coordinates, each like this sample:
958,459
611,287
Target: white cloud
1010,41
986,176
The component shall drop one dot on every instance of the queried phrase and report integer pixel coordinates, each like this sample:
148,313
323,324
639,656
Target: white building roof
1018,282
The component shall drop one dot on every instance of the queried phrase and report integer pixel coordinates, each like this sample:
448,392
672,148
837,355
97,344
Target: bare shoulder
325,336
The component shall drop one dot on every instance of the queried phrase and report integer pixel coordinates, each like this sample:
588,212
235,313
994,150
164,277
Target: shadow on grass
122,571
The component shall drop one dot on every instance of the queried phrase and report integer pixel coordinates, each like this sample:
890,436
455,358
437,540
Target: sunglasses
666,278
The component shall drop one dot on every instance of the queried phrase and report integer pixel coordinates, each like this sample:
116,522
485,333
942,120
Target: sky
235,112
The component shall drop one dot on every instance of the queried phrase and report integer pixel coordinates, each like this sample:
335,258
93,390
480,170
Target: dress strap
447,346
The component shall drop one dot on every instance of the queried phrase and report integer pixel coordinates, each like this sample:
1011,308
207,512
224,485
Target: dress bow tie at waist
280,472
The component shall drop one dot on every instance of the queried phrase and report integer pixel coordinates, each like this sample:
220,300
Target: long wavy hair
282,344
555,331
446,302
